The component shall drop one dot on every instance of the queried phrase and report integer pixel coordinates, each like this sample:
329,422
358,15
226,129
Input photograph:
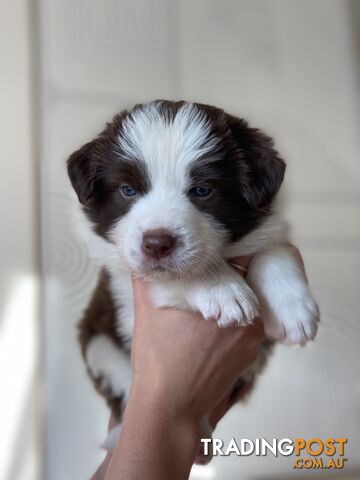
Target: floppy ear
82,172
265,168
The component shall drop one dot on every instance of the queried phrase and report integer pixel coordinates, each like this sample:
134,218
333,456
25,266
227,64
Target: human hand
161,333
183,364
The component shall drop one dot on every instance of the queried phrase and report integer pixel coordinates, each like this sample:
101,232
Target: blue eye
202,192
128,191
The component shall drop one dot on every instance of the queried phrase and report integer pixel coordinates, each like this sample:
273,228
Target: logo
320,454
312,453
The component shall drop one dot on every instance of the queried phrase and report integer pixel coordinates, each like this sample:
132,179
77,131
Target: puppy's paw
227,299
229,302
296,319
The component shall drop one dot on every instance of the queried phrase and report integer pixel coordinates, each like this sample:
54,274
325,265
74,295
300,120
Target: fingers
254,334
244,261
258,329
219,411
228,401
140,289
142,299
241,264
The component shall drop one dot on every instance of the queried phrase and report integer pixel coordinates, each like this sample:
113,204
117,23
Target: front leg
224,296
289,312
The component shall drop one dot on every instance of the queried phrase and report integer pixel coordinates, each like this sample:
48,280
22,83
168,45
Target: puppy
170,191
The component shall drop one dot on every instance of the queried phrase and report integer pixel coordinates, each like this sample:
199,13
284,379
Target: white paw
296,319
229,302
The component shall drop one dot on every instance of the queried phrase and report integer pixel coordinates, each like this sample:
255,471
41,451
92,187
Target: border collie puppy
170,192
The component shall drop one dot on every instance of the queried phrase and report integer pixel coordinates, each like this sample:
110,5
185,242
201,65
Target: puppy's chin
171,271
159,273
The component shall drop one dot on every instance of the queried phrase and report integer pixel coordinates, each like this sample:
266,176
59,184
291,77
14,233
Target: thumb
139,288
142,299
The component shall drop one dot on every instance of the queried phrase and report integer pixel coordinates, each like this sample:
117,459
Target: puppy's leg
110,365
110,368
111,440
224,296
289,312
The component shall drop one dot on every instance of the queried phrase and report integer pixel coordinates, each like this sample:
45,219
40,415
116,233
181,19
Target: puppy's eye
128,191
201,191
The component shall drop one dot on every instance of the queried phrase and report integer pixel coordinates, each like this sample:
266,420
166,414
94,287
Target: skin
175,384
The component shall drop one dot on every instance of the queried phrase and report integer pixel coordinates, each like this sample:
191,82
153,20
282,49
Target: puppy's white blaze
198,235
167,146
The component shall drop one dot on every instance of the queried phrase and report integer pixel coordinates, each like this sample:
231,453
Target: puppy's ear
265,169
82,171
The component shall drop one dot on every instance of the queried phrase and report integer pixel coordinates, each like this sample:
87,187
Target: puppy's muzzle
158,243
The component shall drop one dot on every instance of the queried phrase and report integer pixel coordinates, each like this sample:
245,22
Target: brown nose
157,243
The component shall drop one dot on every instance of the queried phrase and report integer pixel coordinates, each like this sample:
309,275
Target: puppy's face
171,184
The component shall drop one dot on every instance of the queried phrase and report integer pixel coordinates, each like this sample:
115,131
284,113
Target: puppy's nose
158,243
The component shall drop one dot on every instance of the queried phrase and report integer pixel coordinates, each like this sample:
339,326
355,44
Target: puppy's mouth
176,266
161,254
167,267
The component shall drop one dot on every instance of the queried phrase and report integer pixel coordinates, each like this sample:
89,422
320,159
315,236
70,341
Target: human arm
126,461
182,365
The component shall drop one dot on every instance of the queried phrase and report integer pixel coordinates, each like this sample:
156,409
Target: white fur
166,147
108,362
122,294
224,297
289,312
200,240
272,232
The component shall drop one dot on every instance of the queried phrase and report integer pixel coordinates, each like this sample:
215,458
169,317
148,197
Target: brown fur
99,318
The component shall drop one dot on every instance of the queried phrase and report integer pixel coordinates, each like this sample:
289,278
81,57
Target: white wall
19,295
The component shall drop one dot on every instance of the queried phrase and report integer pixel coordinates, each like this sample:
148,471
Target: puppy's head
170,184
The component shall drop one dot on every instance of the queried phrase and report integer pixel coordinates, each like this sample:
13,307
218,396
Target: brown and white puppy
170,191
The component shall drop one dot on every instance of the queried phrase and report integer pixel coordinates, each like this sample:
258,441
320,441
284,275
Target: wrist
153,443
165,398
156,406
